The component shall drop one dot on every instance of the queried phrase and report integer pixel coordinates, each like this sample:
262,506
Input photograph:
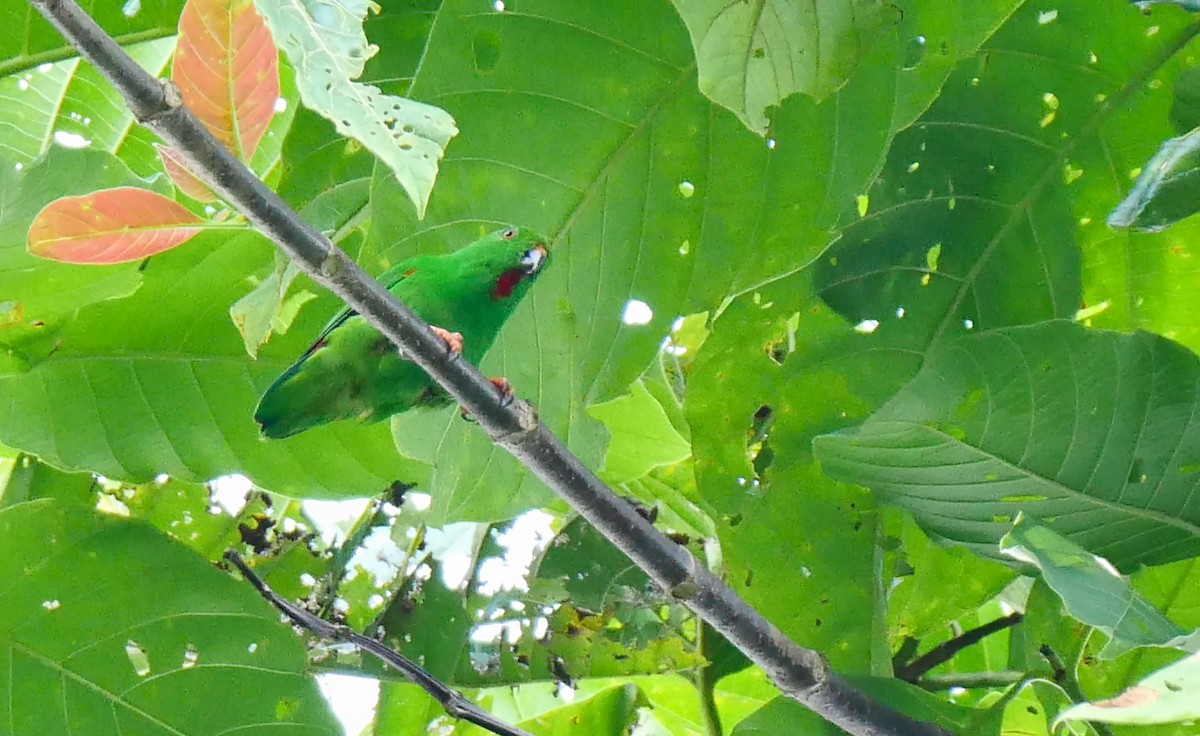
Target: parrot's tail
296,402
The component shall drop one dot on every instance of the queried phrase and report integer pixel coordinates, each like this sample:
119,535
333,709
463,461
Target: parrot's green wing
388,278
279,412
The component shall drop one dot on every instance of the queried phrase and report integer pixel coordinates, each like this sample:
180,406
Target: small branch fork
452,701
800,674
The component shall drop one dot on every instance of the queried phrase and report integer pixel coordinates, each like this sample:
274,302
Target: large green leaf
647,190
108,627
29,40
948,241
70,101
1092,433
160,383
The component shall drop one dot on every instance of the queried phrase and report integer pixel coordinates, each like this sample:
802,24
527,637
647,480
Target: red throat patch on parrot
506,283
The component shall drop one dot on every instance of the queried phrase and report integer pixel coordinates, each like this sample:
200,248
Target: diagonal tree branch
801,674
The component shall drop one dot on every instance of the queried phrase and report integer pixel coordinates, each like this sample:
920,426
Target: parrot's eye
533,259
509,234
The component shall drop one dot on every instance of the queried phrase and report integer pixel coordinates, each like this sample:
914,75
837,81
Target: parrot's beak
533,259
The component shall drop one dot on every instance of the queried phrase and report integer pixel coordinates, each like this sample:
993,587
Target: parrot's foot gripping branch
454,340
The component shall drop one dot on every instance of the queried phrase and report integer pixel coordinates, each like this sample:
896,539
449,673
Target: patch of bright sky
353,699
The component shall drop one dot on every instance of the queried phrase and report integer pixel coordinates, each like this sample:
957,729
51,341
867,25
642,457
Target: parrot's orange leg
454,340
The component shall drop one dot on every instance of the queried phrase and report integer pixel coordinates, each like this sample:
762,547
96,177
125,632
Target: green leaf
185,512
69,101
160,383
1174,589
944,583
1167,696
1091,432
1091,589
610,711
641,436
327,47
108,627
29,480
29,40
608,192
753,55
267,309
593,572
405,709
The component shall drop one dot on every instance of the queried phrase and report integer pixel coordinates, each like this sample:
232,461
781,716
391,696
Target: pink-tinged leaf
227,68
110,226
183,177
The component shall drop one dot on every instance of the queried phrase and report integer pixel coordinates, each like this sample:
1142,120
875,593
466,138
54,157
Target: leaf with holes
108,627
328,49
111,226
227,70
753,55
1093,433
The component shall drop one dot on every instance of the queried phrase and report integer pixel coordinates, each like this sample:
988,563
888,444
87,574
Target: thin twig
801,674
1066,678
913,671
454,702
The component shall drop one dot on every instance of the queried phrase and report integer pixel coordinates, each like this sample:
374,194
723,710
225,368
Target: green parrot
353,371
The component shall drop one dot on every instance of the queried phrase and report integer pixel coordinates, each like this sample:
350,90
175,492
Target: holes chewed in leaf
486,51
914,53
138,658
636,313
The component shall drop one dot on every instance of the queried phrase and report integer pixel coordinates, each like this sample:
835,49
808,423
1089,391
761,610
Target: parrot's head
510,260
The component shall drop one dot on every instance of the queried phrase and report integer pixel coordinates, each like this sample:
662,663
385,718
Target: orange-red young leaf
110,226
183,177
227,68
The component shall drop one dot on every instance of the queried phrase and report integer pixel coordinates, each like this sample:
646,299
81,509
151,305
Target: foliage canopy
888,369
